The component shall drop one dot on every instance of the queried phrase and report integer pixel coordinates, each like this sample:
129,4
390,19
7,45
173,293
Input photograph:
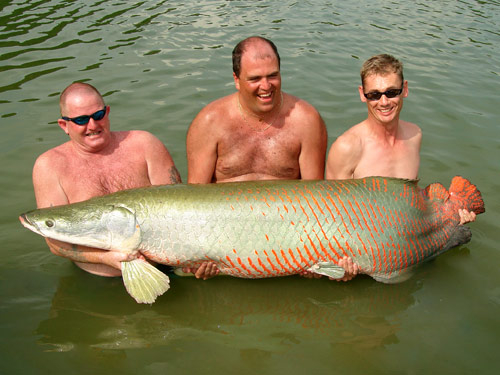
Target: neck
266,117
88,151
387,131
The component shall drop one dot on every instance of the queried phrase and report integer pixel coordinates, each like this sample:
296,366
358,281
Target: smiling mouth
265,96
92,133
385,110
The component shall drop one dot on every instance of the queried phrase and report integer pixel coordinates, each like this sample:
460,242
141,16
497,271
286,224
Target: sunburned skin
382,144
94,162
257,133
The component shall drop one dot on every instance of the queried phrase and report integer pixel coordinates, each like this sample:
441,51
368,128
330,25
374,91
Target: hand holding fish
205,271
351,269
110,261
466,216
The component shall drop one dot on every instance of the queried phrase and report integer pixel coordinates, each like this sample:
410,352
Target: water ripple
159,62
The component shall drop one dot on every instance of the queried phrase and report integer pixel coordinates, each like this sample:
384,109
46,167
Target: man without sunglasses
96,161
382,144
257,133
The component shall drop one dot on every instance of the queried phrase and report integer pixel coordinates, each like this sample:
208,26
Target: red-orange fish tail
436,192
466,195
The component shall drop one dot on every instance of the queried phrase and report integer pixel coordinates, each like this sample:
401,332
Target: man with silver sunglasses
96,161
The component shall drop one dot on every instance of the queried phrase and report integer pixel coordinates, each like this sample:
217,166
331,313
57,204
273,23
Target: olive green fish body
273,228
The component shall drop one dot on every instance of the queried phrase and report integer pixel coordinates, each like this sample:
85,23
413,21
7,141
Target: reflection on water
269,315
159,63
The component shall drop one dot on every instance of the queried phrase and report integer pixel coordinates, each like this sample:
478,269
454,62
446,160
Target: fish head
111,227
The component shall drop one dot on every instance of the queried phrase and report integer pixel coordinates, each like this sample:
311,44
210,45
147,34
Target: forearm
84,254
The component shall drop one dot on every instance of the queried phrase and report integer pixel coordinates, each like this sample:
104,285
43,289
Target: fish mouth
25,221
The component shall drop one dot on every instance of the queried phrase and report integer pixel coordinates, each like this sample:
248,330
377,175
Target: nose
383,99
265,84
91,124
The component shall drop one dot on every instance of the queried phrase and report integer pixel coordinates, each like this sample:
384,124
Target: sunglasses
376,95
83,120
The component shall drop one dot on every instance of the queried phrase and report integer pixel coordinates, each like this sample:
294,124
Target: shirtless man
256,133
96,161
381,145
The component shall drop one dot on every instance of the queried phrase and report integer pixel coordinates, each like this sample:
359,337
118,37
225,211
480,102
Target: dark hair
241,47
381,64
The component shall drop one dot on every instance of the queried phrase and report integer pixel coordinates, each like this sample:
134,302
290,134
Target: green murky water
159,63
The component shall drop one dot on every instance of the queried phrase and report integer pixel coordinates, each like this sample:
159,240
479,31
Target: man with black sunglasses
96,161
382,144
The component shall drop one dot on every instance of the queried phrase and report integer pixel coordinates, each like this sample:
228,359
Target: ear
361,94
405,89
63,124
236,81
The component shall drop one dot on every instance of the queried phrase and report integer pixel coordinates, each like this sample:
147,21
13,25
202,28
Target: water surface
158,63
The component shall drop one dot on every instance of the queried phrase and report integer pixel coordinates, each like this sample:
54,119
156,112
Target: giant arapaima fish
268,228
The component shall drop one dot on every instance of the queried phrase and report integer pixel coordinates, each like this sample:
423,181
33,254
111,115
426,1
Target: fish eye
49,223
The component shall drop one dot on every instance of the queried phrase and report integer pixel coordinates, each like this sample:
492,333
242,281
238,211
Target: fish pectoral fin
394,278
328,269
143,281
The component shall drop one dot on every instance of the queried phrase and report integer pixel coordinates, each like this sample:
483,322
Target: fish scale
313,230
273,228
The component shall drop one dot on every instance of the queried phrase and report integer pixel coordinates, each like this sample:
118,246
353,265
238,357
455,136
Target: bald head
77,91
262,53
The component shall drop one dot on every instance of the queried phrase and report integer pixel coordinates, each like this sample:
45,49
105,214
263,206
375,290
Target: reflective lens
84,120
376,95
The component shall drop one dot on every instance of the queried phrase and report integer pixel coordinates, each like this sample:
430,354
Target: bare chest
85,179
273,153
401,160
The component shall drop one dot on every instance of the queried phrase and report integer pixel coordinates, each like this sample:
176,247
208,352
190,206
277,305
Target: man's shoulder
355,132
139,143
135,135
300,106
55,155
53,162
351,140
218,112
219,106
303,116
410,128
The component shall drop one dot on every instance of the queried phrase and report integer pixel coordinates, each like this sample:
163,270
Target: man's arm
201,149
96,261
313,150
161,167
343,158
46,184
